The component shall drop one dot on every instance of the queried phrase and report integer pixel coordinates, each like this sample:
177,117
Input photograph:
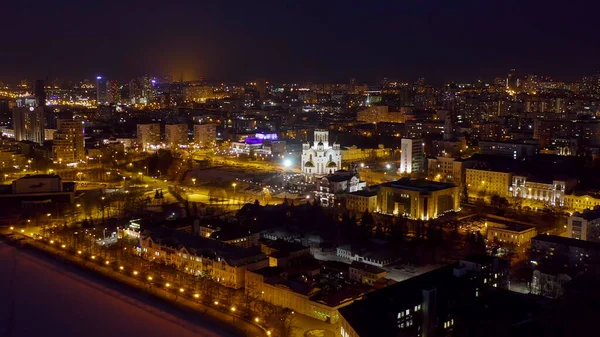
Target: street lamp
194,181
234,185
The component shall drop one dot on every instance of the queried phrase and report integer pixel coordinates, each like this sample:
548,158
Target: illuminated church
321,159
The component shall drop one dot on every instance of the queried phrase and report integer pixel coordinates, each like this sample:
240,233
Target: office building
412,158
322,158
205,134
417,198
68,144
176,135
101,92
148,136
585,225
28,122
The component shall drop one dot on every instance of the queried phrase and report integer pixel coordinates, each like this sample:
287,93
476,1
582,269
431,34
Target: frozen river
41,297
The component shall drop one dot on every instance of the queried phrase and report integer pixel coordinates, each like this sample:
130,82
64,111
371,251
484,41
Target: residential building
28,122
448,169
362,201
148,136
483,183
322,158
366,273
571,255
418,198
205,134
558,260
585,225
68,145
510,149
412,157
429,304
197,255
101,90
176,135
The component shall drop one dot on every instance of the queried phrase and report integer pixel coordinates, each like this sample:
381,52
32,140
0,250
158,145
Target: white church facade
321,159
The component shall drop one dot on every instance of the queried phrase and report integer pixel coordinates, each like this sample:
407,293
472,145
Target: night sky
298,40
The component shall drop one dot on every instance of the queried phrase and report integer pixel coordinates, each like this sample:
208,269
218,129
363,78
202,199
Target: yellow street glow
196,295
168,285
135,272
149,278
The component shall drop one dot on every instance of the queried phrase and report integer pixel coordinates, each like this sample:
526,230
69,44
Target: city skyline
283,42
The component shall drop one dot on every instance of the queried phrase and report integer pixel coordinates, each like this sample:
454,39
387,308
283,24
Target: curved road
40,297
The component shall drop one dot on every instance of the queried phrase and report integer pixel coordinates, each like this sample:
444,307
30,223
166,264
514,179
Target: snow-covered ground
41,297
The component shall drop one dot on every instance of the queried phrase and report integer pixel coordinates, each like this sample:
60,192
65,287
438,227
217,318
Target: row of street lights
136,273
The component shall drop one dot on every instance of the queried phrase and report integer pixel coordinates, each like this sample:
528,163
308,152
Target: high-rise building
40,93
68,144
412,158
205,134
322,158
101,95
176,135
28,123
113,91
148,135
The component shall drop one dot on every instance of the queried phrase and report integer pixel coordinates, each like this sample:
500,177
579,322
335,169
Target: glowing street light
194,181
196,295
149,278
256,319
181,290
216,302
168,285
135,272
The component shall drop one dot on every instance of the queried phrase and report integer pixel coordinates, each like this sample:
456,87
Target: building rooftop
370,192
371,315
200,246
508,224
366,267
590,245
418,185
588,214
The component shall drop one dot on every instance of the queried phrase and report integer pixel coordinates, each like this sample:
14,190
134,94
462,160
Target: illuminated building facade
101,92
68,144
148,136
205,134
483,184
176,135
547,193
28,123
417,198
321,159
412,158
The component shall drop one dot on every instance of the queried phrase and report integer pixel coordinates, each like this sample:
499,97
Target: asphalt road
41,297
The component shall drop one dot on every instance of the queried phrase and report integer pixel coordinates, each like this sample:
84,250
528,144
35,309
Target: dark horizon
299,42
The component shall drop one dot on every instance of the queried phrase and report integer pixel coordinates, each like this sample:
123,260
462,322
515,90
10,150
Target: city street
81,305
